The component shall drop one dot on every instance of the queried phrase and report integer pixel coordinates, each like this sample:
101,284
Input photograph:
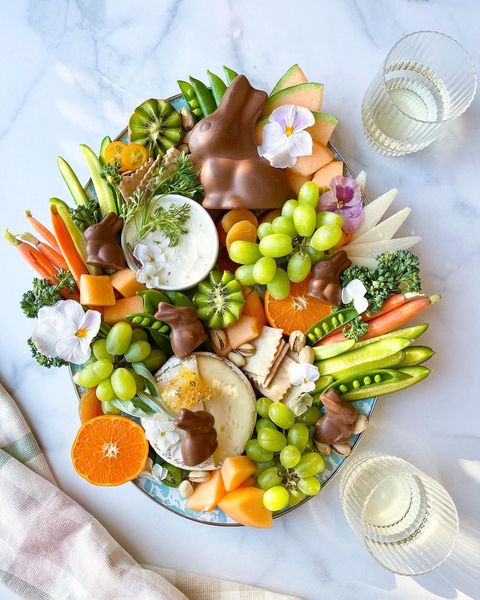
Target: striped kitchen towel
51,548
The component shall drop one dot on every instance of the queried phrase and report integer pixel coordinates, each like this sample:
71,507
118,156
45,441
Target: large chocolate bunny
188,331
232,173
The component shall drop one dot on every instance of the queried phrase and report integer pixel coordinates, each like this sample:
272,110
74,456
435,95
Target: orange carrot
391,303
36,260
50,253
67,247
46,234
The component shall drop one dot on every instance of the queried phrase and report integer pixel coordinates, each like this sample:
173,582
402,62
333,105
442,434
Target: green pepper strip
329,323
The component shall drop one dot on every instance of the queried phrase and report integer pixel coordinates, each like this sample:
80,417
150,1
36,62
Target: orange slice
109,450
89,406
133,156
298,311
113,151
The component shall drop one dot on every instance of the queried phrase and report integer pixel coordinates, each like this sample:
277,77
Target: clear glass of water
427,80
407,521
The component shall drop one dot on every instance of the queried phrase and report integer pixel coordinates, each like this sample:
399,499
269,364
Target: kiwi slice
219,299
156,125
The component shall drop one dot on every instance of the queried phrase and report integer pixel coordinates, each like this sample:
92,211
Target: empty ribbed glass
407,520
427,80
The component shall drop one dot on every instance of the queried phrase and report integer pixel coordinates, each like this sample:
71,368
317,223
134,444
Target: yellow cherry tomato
133,156
113,152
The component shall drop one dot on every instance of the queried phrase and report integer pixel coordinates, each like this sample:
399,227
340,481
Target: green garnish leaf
46,293
86,214
170,221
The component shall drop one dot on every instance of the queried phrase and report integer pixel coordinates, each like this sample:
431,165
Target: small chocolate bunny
337,425
188,331
103,249
201,439
325,282
232,173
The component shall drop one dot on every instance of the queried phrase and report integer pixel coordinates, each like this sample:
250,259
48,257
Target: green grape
310,486
329,218
310,464
119,338
290,456
99,349
295,497
155,360
256,453
262,406
271,439
299,266
264,270
244,253
90,360
298,436
284,225
124,384
139,380
263,230
109,409
308,194
281,415
310,416
326,237
263,466
139,334
288,208
275,498
279,287
315,255
244,274
138,351
262,423
102,368
104,391
304,219
275,245
87,377
269,478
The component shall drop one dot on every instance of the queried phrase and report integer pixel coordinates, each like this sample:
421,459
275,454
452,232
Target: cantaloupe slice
126,284
235,470
244,330
293,76
249,482
122,308
307,165
208,494
254,308
96,290
245,505
324,176
309,95
296,181
321,131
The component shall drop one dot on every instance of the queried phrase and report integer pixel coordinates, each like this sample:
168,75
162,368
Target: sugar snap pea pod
321,385
394,360
368,379
331,350
151,300
368,354
329,324
161,341
230,74
179,299
218,87
413,376
204,96
415,355
190,97
148,321
412,333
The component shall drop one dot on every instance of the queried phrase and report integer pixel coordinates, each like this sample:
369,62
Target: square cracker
267,346
280,384
283,349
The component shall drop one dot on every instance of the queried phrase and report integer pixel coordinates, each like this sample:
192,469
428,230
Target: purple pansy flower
345,198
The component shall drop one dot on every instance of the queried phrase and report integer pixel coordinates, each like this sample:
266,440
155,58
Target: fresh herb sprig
44,361
86,214
111,173
45,293
170,221
181,180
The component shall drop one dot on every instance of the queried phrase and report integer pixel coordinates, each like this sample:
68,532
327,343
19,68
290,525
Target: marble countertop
72,71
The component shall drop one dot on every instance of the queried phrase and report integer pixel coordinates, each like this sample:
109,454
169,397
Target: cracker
283,349
130,183
280,384
267,346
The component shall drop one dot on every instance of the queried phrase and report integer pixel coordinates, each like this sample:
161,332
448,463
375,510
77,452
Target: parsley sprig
45,293
86,214
44,361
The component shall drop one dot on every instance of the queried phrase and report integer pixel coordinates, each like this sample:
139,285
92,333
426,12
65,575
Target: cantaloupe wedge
245,505
126,284
309,95
293,76
96,290
249,482
244,330
253,307
122,308
321,131
296,181
235,470
324,176
307,165
207,495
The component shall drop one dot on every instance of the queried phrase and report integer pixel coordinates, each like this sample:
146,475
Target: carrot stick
46,234
33,257
67,247
50,253
391,303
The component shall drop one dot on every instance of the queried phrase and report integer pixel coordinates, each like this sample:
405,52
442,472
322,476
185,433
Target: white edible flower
305,375
65,330
284,138
162,434
299,404
156,472
355,292
149,275
149,253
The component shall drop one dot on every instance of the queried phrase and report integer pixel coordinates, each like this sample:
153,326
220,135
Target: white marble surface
72,71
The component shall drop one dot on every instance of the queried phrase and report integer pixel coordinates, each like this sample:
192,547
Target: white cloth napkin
51,548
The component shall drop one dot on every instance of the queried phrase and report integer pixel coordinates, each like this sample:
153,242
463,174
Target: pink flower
344,198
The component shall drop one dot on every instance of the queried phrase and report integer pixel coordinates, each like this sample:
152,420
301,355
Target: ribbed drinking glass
428,79
407,520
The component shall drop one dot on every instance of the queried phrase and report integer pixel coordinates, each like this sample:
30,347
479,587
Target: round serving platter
169,497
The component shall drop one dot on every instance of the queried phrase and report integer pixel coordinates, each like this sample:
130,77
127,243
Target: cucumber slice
78,193
415,355
414,375
230,74
106,140
105,195
394,360
331,350
412,333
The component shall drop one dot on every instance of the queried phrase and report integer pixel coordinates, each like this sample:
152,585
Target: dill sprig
171,222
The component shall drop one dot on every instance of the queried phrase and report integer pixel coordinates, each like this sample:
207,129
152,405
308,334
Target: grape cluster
284,454
109,367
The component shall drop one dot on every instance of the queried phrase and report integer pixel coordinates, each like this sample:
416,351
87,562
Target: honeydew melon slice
385,230
374,211
321,131
309,95
294,76
324,176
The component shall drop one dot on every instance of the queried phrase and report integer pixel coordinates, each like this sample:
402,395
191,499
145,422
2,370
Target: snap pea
204,96
322,384
368,354
190,97
329,324
179,299
393,360
367,380
151,300
415,355
162,341
218,87
148,321
331,350
230,74
410,376
412,333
